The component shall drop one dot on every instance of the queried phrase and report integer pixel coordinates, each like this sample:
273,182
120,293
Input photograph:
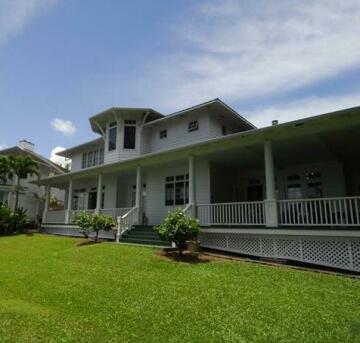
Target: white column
271,214
192,184
69,202
139,190
47,200
99,193
9,199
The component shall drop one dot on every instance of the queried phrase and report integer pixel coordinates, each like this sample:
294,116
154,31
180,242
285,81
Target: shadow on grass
186,257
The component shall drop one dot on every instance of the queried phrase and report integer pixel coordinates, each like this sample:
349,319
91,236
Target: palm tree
4,169
22,166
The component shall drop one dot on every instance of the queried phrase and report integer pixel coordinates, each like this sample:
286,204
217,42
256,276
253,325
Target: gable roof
16,151
227,110
101,117
70,152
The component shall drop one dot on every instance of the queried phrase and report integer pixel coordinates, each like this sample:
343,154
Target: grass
53,291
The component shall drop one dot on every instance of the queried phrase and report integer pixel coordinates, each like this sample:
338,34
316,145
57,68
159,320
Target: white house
31,196
290,190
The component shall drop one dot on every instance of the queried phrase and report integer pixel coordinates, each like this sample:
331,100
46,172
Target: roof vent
275,122
26,145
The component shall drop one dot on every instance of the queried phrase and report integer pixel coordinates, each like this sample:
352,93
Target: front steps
144,235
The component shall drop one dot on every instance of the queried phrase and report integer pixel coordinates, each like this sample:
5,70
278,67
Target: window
163,134
112,136
224,130
84,160
177,190
92,158
193,126
79,199
314,190
129,134
294,191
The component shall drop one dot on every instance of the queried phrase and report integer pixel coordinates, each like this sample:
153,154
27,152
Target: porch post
47,200
139,188
271,214
192,184
99,193
69,203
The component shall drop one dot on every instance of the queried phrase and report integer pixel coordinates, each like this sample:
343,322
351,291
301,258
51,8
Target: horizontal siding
177,132
155,203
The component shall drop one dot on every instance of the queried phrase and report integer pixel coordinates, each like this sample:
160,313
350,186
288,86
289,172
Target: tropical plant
93,223
22,166
12,221
5,170
178,228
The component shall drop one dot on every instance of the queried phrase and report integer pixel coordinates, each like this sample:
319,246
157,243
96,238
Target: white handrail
335,211
125,222
187,209
232,213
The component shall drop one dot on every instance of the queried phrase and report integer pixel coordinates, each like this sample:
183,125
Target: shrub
178,228
93,223
101,222
12,221
83,220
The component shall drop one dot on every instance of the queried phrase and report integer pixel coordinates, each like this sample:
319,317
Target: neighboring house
289,190
31,197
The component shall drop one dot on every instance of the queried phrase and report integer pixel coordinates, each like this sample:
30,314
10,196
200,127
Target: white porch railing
115,212
73,213
235,213
126,221
55,217
341,211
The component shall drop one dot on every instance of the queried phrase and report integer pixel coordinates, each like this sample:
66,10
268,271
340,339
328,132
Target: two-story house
290,190
31,196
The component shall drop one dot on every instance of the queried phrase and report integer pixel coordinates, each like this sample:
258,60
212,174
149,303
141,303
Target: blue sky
62,61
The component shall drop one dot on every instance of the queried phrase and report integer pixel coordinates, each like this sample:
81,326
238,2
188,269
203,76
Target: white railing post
69,203
47,200
192,201
271,212
118,233
139,191
99,194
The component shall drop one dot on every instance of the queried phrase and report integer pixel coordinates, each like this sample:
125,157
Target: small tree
4,169
83,220
101,222
178,228
93,223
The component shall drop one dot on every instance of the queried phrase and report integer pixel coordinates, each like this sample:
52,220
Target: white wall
155,179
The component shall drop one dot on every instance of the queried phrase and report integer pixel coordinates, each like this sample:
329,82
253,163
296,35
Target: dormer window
129,134
163,134
112,136
193,126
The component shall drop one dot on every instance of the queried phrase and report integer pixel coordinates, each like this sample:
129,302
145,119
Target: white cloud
62,161
3,146
66,127
16,14
241,50
303,108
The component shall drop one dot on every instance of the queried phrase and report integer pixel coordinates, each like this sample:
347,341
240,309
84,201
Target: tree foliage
93,223
12,221
178,228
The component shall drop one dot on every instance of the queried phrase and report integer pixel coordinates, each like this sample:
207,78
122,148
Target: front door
92,200
255,193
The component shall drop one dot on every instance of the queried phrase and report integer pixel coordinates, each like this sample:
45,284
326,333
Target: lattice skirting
338,252
73,232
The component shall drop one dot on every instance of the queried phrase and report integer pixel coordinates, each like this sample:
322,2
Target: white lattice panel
244,244
338,252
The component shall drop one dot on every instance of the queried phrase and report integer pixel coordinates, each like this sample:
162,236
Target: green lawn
53,291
